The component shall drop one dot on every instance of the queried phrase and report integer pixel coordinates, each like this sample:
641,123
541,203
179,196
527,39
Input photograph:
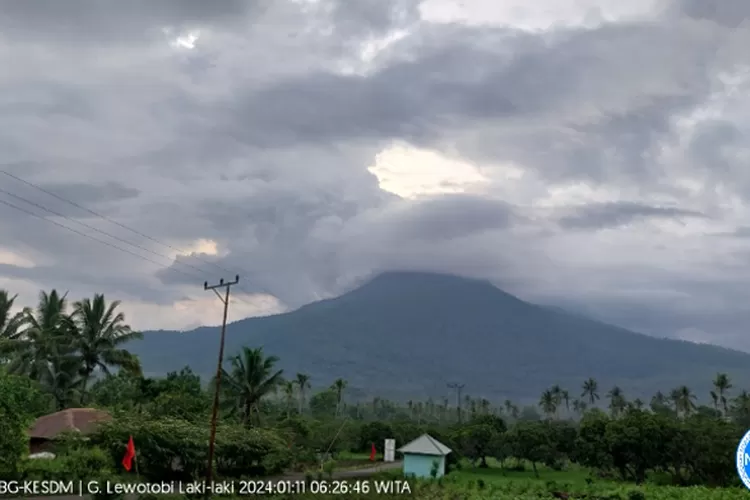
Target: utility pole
215,410
458,388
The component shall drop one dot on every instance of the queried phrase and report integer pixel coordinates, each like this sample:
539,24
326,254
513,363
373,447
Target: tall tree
99,332
684,400
303,384
48,334
252,377
565,397
617,401
339,385
548,403
714,399
722,384
10,322
590,391
289,393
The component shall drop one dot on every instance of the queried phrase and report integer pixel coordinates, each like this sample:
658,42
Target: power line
123,226
112,221
11,205
42,207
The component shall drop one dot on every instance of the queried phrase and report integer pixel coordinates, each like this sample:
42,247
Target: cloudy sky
593,154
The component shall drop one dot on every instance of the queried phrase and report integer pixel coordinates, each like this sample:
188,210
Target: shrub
43,470
80,464
18,405
174,449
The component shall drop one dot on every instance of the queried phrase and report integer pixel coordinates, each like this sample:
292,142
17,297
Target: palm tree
565,396
590,391
99,333
741,407
61,378
683,399
252,377
10,323
303,383
548,404
289,394
484,406
339,385
722,384
48,332
659,402
511,409
617,401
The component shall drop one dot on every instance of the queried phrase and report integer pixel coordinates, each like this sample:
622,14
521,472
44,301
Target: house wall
421,465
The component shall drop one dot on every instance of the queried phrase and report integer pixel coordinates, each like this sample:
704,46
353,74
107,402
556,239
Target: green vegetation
582,442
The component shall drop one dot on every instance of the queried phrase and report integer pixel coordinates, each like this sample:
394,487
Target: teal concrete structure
423,455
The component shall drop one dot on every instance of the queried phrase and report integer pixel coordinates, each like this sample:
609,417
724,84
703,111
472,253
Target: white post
390,450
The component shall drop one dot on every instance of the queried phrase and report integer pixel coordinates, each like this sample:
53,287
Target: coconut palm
484,406
303,383
617,401
684,400
339,385
289,394
590,391
251,378
548,404
11,323
565,397
62,379
98,334
48,334
722,384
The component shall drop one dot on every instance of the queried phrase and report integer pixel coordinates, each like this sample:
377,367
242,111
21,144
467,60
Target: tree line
59,356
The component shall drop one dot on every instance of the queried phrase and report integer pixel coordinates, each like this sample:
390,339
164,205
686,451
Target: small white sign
390,450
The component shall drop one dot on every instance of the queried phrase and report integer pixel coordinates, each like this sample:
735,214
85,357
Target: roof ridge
434,442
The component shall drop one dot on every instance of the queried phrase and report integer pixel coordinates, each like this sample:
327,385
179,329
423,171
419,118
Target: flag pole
135,460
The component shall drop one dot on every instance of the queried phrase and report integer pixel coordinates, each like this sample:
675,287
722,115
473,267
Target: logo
743,460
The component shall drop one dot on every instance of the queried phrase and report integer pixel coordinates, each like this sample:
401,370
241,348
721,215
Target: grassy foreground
573,484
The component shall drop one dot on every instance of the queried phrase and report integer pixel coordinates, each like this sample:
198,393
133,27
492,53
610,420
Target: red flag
372,453
127,460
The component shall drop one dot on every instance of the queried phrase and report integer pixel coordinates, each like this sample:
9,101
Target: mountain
407,334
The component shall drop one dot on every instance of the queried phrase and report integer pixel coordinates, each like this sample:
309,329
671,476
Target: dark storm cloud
582,128
611,215
259,140
453,217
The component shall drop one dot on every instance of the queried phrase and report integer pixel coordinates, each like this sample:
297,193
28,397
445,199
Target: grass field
495,483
